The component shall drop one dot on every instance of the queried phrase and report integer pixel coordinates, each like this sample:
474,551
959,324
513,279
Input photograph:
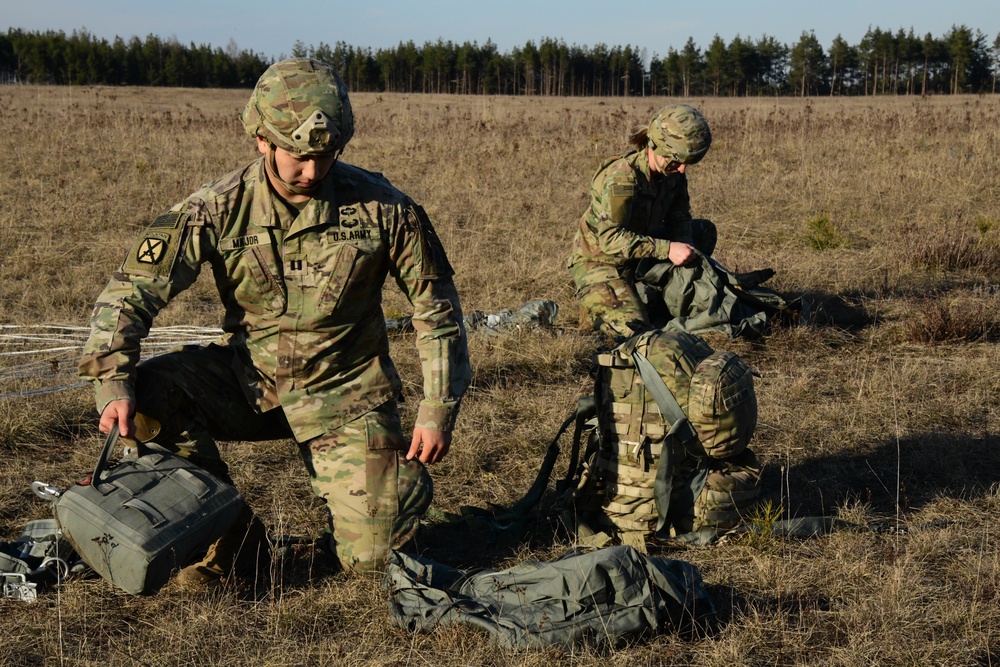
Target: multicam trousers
608,302
374,495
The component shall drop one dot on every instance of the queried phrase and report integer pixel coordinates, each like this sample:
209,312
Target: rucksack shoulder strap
681,433
665,400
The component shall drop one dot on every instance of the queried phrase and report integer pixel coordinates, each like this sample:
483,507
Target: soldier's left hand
428,445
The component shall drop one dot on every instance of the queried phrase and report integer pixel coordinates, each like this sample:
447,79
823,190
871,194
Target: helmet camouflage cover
722,404
302,106
679,132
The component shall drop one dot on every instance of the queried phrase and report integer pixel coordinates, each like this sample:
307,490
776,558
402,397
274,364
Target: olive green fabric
139,520
706,296
603,597
611,301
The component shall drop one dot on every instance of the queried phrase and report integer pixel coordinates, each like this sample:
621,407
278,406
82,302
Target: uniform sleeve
612,197
423,273
163,261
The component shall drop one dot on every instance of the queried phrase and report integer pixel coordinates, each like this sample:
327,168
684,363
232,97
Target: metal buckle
19,589
46,491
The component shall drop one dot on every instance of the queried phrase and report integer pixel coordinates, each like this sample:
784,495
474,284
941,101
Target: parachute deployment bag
674,420
138,520
604,597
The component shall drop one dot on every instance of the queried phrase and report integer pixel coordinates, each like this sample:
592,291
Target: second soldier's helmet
679,132
300,105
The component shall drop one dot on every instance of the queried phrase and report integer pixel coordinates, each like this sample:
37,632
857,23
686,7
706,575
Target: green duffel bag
138,520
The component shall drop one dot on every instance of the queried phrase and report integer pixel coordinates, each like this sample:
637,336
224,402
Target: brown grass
882,410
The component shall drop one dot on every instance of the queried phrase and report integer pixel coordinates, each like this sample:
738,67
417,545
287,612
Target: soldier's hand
119,412
681,254
429,446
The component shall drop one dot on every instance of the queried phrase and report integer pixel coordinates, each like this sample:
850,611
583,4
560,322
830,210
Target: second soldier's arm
612,208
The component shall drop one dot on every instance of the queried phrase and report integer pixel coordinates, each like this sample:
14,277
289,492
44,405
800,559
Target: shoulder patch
153,254
620,199
433,262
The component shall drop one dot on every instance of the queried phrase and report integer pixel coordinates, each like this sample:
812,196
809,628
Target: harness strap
681,433
734,497
632,509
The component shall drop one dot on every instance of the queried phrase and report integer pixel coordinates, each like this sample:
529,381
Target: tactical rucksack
667,453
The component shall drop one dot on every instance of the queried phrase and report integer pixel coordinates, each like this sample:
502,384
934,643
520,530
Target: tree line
52,57
881,63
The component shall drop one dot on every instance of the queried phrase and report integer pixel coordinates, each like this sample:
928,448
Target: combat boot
241,556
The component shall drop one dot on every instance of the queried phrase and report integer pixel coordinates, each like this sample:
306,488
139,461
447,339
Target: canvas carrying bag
136,521
602,597
707,296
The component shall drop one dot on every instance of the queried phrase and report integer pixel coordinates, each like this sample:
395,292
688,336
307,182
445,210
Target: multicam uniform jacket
632,214
302,297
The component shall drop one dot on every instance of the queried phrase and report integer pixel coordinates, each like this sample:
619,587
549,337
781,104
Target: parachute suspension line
51,351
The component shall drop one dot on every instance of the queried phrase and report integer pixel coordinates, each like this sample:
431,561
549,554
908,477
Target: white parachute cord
60,347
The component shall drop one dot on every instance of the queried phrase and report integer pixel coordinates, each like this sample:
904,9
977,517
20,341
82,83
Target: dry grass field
882,409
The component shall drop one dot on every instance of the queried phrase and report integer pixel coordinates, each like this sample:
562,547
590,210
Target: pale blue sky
271,28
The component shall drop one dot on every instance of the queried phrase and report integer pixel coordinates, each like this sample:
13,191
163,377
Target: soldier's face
304,171
664,165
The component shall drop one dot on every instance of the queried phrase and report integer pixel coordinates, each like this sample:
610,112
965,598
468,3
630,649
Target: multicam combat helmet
722,404
300,105
679,132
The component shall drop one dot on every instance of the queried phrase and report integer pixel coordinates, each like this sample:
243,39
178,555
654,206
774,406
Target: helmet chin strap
272,170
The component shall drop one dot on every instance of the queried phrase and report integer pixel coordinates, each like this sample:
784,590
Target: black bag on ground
603,596
138,520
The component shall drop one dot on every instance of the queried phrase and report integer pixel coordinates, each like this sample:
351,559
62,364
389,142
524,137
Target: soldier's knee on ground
382,512
364,547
